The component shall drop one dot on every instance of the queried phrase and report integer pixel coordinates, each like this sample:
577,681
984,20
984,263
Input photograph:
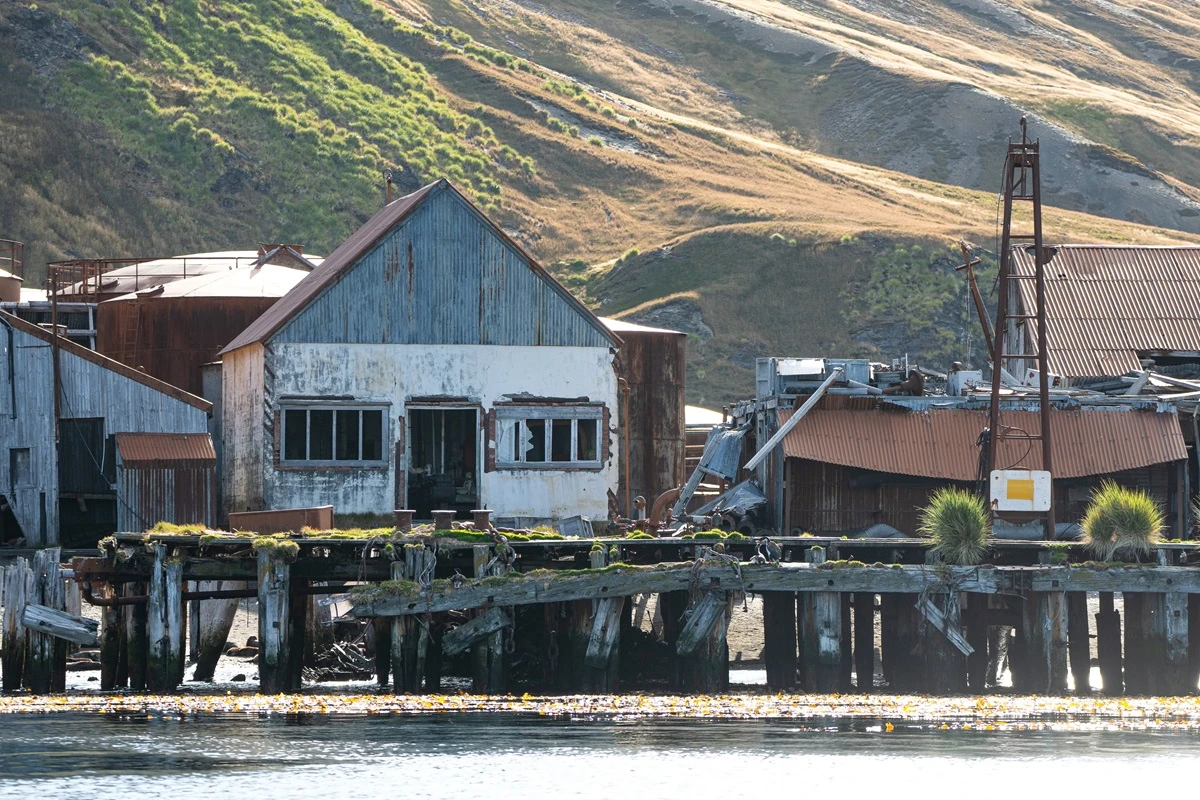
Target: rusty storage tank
653,363
10,287
172,330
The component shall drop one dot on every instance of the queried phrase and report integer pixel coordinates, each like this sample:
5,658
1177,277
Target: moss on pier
842,564
278,545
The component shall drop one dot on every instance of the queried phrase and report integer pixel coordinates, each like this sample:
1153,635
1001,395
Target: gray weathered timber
1108,645
462,637
401,626
16,641
820,629
548,587
137,642
1044,626
945,623
46,591
700,623
606,632
176,621
779,639
1079,647
111,632
274,629
490,658
1175,632
60,624
212,620
1138,579
157,626
707,669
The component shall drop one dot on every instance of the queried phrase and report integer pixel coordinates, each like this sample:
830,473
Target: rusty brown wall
172,337
654,365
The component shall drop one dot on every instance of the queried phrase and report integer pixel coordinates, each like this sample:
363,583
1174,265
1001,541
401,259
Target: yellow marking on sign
1020,489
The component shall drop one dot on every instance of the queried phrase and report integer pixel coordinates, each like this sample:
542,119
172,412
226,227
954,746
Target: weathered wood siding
88,390
443,276
242,423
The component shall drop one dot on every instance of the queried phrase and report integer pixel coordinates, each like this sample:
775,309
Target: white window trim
308,406
519,415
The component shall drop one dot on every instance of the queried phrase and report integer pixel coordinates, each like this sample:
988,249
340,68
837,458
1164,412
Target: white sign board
1020,490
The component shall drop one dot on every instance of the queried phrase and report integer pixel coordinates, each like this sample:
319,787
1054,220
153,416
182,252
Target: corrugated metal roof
268,280
722,452
159,448
446,292
941,443
1105,303
146,274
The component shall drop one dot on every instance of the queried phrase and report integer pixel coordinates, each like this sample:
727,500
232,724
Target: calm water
96,757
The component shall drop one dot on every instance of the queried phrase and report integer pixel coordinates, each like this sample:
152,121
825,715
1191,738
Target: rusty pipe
85,591
660,503
624,384
212,594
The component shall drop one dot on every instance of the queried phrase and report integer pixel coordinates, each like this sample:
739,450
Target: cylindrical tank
10,287
652,361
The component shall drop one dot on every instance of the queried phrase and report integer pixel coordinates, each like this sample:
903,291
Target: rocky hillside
770,177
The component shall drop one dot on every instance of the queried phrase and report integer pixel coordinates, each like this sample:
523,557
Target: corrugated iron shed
430,268
162,448
942,443
1105,303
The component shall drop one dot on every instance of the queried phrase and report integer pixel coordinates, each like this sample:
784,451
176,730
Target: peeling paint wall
242,424
395,374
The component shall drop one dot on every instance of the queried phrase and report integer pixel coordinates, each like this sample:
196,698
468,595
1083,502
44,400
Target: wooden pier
567,607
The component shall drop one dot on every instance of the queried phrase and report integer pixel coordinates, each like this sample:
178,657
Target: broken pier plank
60,624
462,637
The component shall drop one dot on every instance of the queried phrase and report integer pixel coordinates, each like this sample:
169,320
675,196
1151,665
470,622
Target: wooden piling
976,620
381,634
1134,650
112,631
1193,670
864,641
593,639
274,624
900,629
17,578
1108,645
489,657
137,641
701,644
1173,679
211,621
1044,634
821,635
779,639
1079,641
298,604
47,591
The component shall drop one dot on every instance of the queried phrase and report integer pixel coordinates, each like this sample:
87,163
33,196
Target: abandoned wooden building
429,363
59,479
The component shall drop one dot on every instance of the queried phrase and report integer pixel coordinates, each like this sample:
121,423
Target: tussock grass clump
1121,521
171,528
958,523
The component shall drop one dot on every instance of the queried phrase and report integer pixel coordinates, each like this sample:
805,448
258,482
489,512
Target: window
338,436
554,437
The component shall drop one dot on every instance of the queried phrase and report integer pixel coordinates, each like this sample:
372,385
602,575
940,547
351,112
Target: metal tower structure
1022,183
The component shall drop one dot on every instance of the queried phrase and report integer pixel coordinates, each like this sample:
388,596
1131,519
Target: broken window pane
347,436
372,436
586,440
295,434
320,435
535,440
560,440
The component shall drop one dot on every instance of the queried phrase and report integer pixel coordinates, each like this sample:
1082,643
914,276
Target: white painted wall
396,373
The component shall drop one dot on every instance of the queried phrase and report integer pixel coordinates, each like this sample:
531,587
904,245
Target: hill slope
586,128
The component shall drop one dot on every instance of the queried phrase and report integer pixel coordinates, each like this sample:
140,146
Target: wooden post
779,635
1175,623
1135,650
137,645
1079,641
403,642
164,626
821,636
16,641
298,602
490,668
112,631
945,666
1193,669
1044,628
593,642
211,621
1108,645
46,591
701,643
381,630
864,641
977,637
274,624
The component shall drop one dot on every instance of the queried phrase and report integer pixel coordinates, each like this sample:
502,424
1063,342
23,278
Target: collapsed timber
565,615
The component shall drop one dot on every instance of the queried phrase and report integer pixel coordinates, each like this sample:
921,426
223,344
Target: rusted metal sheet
283,521
183,495
165,449
429,268
1105,303
652,362
941,443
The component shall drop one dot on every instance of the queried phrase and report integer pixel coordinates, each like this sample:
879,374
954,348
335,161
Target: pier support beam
410,637
944,665
899,629
779,639
1080,642
1044,651
137,641
274,624
1193,670
1108,645
976,620
164,624
1163,636
702,647
112,636
864,641
593,639
18,584
45,651
1135,642
821,664
211,621
491,668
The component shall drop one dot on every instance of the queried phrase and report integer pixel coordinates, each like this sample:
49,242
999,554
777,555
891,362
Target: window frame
521,413
382,462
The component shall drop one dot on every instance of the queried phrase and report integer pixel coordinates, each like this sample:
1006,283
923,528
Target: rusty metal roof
941,443
360,243
165,448
1106,302
268,280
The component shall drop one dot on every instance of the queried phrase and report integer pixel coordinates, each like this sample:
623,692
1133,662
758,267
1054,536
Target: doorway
443,460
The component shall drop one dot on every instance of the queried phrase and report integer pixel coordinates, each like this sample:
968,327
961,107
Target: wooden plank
60,624
700,623
549,587
159,672
274,625
1044,628
16,640
40,664
606,632
820,629
1133,580
1175,631
1079,642
462,637
940,622
176,621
